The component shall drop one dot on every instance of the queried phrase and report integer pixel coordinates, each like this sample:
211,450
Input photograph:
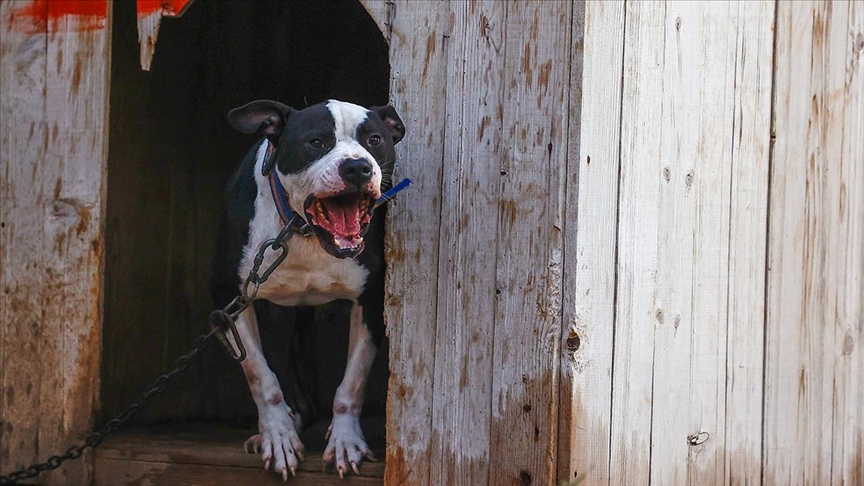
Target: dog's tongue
345,219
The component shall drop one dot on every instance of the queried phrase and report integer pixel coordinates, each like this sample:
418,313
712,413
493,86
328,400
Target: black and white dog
330,161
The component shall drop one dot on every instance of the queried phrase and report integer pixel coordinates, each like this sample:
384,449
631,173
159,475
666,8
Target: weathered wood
199,454
56,238
420,30
131,472
384,12
473,150
150,13
527,312
744,325
814,423
23,58
589,245
675,235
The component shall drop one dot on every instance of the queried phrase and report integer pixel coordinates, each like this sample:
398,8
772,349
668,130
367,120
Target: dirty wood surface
589,263
412,256
675,234
205,454
814,365
473,150
54,90
534,133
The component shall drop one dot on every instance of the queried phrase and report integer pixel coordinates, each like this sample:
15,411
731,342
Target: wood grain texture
524,429
23,58
420,30
813,430
204,454
744,327
473,150
676,233
55,247
589,245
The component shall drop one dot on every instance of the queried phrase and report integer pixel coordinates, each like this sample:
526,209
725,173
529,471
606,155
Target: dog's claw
293,471
354,467
267,464
341,472
284,476
329,431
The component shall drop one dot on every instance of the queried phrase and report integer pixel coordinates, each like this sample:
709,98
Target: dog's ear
265,116
391,120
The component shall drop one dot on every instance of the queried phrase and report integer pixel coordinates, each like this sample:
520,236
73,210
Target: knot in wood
698,438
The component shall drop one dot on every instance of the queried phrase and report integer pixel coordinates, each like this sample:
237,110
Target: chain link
96,438
222,321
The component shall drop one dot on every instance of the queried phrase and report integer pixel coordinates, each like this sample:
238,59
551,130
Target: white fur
277,441
309,276
346,446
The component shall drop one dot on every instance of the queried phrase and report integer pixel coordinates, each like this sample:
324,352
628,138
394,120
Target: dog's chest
309,276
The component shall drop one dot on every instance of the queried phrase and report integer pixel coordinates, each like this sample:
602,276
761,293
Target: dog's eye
374,140
316,143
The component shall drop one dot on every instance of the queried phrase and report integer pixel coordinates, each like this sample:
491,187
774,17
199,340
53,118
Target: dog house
631,253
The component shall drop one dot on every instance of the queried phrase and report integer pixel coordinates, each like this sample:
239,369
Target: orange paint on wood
169,8
37,16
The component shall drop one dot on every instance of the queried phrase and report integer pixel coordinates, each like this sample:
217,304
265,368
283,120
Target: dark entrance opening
171,153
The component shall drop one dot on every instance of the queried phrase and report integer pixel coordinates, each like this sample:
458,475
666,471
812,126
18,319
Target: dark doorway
171,154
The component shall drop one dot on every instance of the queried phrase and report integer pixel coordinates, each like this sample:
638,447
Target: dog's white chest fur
309,275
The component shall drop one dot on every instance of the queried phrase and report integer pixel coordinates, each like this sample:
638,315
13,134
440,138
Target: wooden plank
813,419
676,233
130,472
55,87
76,106
23,58
689,301
527,311
473,150
150,13
420,30
384,13
589,246
747,239
201,445
848,448
638,229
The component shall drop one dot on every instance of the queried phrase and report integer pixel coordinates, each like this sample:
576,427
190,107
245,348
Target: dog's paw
278,442
346,446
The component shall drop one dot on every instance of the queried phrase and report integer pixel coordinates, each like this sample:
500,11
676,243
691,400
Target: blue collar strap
287,215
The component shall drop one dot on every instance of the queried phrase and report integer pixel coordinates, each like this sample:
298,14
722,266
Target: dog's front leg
347,445
277,441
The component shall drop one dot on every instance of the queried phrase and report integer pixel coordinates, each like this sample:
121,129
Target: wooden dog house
632,252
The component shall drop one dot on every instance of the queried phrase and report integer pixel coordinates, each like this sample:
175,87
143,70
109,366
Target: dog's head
332,158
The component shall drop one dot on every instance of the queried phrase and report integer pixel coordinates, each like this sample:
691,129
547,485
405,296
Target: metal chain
221,322
98,436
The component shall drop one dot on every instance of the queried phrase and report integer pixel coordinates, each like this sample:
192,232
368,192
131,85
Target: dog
330,162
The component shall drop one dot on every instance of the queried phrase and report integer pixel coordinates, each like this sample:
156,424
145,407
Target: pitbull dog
330,162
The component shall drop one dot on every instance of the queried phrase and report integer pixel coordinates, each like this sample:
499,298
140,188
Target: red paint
169,8
42,16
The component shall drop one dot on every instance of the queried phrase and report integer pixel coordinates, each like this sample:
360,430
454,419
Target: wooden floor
210,454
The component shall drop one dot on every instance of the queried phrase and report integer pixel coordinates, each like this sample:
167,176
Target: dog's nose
356,171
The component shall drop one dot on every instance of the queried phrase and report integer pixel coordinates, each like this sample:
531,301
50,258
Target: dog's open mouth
340,221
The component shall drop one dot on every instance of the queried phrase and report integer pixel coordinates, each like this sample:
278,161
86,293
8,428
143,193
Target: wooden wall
633,252
53,114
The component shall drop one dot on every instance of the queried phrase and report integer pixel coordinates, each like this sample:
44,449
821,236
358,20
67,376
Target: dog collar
287,215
